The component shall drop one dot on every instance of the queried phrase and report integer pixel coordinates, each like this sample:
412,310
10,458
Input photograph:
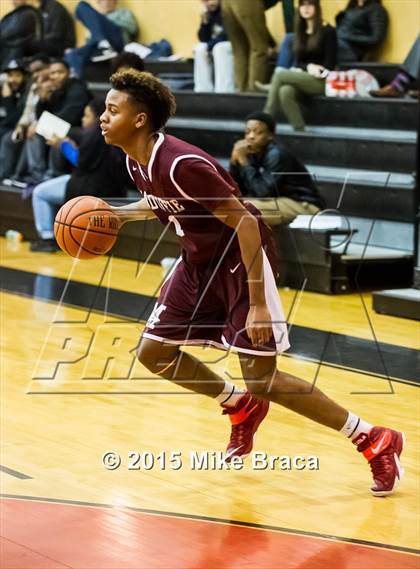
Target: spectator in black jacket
213,59
361,27
12,143
67,99
59,32
99,170
20,32
315,47
13,92
271,178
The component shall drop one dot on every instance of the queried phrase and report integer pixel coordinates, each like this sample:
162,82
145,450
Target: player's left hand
258,324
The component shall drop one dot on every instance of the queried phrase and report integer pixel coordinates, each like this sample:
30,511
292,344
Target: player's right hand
258,324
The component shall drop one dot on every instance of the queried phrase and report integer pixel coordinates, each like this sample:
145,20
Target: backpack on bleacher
350,83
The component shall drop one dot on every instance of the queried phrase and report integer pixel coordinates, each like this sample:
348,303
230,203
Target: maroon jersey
183,185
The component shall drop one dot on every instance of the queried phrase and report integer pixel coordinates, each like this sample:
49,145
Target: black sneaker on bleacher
44,246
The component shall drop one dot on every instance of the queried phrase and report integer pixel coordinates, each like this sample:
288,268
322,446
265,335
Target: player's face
120,121
257,135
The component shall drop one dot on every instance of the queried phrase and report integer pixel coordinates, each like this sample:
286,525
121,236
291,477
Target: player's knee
154,356
259,387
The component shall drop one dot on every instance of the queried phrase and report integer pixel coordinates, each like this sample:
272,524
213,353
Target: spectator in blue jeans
110,29
99,171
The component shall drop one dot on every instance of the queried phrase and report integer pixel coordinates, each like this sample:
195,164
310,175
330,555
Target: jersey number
178,229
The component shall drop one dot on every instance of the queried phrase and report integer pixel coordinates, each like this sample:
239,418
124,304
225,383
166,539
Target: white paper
139,49
50,125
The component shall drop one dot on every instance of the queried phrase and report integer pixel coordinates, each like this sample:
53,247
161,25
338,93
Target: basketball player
222,291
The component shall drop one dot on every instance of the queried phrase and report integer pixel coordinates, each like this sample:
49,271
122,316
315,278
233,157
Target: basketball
85,227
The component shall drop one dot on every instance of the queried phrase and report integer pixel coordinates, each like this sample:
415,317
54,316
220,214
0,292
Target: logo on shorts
154,318
235,268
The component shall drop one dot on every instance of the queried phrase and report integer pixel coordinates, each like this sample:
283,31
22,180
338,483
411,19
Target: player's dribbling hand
258,324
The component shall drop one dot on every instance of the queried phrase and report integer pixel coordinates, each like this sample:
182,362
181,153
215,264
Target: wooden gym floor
69,395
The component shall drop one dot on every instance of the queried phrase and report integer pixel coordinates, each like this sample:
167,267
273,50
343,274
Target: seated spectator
271,178
246,28
213,55
361,28
110,29
12,142
126,60
66,98
409,73
13,93
315,45
20,32
99,171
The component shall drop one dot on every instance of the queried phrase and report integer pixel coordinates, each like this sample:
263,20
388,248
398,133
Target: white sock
354,426
230,394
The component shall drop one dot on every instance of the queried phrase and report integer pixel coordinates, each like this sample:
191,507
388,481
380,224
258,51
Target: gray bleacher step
354,175
364,112
370,149
363,177
403,302
375,238
371,194
340,132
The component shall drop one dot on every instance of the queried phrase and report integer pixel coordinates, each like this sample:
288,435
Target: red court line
55,535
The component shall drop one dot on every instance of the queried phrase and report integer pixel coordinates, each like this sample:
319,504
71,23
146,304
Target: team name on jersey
172,206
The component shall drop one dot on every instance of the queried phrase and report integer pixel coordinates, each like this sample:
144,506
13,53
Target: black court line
337,350
15,473
210,519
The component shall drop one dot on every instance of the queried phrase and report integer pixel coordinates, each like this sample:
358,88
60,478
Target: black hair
97,104
354,3
126,59
42,57
263,117
302,41
59,60
149,92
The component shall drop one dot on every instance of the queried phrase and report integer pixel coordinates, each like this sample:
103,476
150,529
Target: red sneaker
245,417
382,448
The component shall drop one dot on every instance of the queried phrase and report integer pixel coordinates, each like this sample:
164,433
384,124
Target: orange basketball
85,227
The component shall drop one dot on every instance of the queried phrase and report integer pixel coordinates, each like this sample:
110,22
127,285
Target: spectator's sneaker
382,448
388,92
44,246
245,417
14,183
103,52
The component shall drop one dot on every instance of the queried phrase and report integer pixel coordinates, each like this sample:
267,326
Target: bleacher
366,174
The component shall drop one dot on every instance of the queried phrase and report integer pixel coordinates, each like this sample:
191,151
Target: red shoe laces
381,465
